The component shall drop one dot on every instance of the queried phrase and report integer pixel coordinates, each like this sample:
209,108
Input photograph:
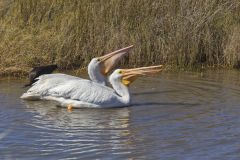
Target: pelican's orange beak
110,60
130,75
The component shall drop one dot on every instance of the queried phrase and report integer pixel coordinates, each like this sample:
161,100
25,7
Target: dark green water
173,116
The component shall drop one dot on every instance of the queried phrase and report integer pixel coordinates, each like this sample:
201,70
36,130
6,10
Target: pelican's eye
98,59
120,72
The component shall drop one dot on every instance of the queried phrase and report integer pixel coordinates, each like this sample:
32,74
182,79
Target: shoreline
14,72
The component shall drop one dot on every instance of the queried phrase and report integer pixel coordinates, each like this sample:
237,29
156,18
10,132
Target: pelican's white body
77,92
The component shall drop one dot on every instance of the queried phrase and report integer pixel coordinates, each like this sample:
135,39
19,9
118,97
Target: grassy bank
184,33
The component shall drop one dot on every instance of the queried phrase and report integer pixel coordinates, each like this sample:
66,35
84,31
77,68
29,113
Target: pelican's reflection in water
82,132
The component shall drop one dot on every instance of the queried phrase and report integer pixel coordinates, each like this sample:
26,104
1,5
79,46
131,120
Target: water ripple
185,115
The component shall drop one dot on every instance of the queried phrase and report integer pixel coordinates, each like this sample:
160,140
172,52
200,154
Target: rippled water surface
184,115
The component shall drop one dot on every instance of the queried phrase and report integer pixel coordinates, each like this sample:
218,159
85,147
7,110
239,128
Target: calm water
173,116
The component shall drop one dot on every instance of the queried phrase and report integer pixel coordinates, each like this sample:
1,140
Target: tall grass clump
183,33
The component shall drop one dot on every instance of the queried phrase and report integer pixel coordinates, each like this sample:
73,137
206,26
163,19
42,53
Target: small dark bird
38,71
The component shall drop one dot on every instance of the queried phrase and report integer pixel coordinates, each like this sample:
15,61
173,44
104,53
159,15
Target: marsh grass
183,33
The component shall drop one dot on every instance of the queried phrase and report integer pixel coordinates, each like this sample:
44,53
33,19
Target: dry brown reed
183,33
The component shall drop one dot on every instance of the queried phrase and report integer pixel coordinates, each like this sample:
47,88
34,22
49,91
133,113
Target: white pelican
77,93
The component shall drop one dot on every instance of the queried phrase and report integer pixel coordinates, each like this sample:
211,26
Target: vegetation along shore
182,33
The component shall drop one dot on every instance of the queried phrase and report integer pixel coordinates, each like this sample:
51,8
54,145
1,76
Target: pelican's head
127,76
100,67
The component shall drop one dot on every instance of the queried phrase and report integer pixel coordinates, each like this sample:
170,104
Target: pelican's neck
121,90
95,75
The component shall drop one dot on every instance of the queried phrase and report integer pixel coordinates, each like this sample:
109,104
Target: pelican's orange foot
69,107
